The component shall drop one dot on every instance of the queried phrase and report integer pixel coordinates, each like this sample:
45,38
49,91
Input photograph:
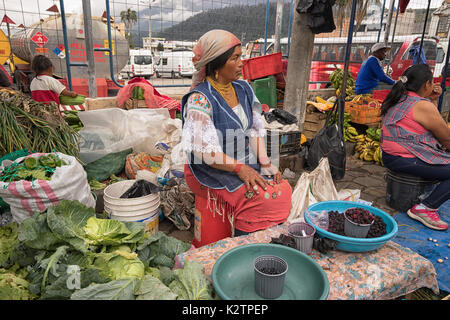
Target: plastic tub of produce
350,244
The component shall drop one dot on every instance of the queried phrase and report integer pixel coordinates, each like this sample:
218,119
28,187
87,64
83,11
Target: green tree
160,47
129,17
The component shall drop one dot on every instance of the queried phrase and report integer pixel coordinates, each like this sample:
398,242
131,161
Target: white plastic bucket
113,193
151,220
142,209
128,206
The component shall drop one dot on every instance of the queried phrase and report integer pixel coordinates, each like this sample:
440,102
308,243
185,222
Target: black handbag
329,142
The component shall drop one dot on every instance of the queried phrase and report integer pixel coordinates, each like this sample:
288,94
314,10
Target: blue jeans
419,168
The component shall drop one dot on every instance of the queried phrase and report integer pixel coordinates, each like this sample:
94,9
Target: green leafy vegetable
151,288
14,287
120,264
114,290
8,241
190,282
67,220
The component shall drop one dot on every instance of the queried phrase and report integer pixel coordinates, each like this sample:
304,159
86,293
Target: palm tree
129,18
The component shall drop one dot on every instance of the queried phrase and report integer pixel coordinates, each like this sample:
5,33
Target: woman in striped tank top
416,140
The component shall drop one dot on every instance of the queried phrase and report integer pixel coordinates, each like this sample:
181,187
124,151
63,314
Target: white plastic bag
68,182
311,188
314,187
113,130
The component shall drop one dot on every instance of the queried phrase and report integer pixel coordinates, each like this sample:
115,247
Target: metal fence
164,26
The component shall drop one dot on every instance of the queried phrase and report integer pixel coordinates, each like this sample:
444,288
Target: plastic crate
266,90
288,142
263,66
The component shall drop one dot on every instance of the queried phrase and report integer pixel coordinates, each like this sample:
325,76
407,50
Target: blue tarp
414,235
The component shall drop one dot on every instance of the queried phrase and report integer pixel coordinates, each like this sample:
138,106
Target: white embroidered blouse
199,133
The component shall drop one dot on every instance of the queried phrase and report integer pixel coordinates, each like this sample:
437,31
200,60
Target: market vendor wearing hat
371,72
223,136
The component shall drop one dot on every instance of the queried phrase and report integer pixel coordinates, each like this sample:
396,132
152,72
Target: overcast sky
28,12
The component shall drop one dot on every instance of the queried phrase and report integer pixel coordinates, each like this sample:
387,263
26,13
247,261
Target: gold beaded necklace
226,91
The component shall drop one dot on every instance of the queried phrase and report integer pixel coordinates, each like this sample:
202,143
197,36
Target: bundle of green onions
34,126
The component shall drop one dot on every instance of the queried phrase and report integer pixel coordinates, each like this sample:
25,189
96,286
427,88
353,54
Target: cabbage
120,264
112,232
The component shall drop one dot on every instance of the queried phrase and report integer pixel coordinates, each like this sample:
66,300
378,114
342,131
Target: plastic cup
303,234
270,272
356,230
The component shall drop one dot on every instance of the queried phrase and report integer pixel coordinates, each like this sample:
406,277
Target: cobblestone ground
365,176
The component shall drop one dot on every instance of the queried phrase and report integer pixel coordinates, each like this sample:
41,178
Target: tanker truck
46,38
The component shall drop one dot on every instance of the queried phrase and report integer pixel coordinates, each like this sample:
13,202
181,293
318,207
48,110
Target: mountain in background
246,22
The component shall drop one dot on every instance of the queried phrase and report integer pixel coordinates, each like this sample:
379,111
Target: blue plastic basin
350,244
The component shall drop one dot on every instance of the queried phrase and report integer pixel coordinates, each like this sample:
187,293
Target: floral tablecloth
386,273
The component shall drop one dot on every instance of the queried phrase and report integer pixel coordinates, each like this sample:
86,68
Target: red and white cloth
78,107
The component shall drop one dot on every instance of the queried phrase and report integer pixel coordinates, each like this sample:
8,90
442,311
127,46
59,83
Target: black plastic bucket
404,191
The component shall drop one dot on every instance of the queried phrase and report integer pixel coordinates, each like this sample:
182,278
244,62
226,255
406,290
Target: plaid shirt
424,146
235,146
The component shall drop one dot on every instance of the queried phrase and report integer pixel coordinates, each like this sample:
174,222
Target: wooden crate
100,103
314,121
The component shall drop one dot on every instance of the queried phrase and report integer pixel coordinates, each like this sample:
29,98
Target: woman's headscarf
210,46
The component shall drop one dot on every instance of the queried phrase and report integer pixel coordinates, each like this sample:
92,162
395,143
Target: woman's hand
271,170
437,91
252,179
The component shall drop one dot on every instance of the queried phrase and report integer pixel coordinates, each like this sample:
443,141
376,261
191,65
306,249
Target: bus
329,53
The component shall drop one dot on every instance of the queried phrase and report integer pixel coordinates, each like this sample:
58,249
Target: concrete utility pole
389,22
279,19
299,67
89,47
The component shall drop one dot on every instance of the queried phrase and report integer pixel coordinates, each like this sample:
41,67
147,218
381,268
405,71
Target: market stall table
387,273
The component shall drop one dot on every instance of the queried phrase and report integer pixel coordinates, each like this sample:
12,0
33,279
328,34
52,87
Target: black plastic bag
329,142
320,15
140,188
280,115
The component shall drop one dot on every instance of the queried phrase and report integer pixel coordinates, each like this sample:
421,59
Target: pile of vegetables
72,119
31,168
66,252
27,124
138,93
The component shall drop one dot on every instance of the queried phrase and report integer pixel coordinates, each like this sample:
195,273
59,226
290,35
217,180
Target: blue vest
232,136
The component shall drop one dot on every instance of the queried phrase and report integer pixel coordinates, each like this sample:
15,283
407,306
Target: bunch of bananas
350,134
362,98
336,78
377,156
367,147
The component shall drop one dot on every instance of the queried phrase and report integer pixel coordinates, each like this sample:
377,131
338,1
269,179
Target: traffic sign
39,39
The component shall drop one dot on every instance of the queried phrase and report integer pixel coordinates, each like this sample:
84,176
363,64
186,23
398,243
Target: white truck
140,64
175,64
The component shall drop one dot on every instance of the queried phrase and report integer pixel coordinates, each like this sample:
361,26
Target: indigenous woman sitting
223,135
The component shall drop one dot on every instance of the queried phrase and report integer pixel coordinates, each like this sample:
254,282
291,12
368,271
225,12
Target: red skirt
261,211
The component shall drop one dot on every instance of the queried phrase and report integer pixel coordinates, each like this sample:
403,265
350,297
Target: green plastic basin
233,274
